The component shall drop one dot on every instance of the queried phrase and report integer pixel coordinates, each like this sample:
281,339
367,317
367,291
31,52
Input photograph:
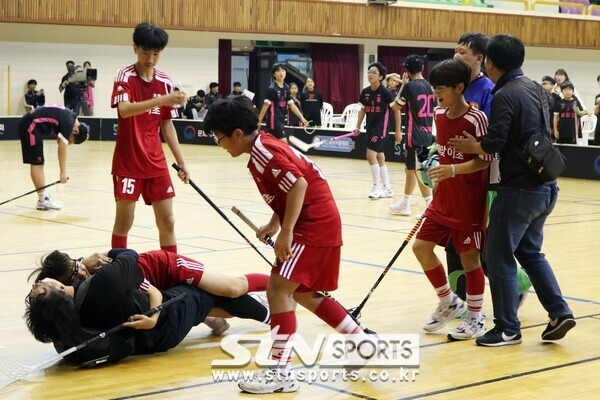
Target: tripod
81,101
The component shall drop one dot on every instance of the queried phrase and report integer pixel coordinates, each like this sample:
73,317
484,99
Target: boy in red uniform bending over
458,208
145,101
310,235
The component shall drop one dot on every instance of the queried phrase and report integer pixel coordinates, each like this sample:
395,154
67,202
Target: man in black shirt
70,95
213,95
237,89
196,103
566,112
524,201
420,101
311,100
34,98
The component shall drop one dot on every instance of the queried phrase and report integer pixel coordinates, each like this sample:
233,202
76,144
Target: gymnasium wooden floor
568,368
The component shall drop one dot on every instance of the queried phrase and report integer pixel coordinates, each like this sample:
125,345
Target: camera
81,75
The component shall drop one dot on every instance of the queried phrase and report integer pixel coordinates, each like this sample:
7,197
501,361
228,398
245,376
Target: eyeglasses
217,139
372,73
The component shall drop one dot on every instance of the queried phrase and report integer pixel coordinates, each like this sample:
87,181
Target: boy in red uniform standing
457,211
309,225
145,101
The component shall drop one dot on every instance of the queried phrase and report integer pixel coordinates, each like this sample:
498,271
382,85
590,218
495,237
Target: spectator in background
34,98
196,103
70,91
311,101
181,109
292,119
561,76
237,89
394,85
213,95
566,112
89,91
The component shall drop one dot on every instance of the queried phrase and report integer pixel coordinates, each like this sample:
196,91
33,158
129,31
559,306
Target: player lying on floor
118,292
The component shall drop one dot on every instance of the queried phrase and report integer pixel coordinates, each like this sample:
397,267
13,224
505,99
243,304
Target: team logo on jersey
467,240
275,172
268,198
170,189
189,281
120,88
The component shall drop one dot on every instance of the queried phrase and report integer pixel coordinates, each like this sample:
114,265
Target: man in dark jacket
524,201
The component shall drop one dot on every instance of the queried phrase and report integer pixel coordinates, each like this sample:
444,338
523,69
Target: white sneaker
218,325
387,192
270,380
470,327
48,204
401,208
375,193
444,314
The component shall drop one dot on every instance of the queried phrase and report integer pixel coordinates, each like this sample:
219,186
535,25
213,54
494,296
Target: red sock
475,289
437,277
170,249
286,321
118,242
336,316
257,282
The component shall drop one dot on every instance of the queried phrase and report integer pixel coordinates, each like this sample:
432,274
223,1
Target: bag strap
545,106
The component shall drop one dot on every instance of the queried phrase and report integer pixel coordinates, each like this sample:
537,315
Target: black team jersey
277,112
312,102
568,123
377,107
420,101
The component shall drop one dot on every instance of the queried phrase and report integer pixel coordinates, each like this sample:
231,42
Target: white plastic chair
326,114
352,117
340,119
588,126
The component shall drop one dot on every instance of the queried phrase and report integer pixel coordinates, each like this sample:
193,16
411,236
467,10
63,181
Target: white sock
375,173
428,200
406,199
42,194
384,176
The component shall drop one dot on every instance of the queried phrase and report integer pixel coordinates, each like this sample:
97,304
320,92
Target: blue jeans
516,227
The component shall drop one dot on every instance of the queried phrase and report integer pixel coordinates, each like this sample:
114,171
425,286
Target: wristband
453,170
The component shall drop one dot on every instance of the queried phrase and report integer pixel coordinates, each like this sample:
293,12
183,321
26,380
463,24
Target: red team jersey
460,202
138,152
275,167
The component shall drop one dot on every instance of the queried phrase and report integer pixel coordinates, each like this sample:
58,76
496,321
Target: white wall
40,51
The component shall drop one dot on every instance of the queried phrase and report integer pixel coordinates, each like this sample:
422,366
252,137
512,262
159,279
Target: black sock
246,307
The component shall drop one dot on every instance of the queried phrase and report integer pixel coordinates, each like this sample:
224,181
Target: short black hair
476,41
414,63
56,265
227,115
31,82
200,93
276,67
213,85
51,315
87,62
380,67
150,37
82,136
69,62
567,84
598,78
237,84
451,73
506,52
548,78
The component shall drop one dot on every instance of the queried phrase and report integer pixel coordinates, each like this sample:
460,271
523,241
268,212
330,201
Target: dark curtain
336,73
224,67
393,57
252,72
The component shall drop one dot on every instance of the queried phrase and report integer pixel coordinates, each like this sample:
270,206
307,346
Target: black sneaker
496,337
558,328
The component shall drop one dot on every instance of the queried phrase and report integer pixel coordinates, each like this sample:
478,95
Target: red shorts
152,189
463,241
317,268
165,270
